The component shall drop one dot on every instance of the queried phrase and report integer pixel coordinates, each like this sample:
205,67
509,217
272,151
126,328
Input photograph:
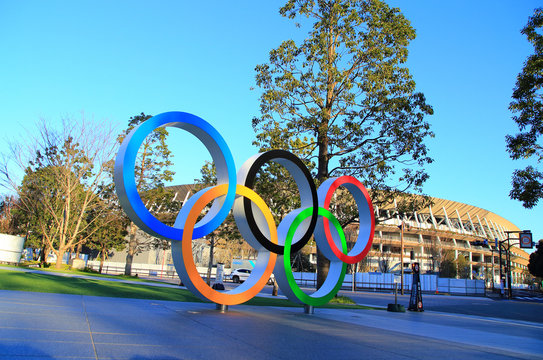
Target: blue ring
125,181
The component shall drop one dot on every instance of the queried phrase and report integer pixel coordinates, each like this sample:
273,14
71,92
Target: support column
482,227
447,221
471,223
460,221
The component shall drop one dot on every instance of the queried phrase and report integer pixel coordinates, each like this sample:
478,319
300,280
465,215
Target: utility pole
502,286
508,258
492,274
401,256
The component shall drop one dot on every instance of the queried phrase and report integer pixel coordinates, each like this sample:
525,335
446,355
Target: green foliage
527,105
227,236
463,267
300,260
152,170
153,160
110,231
447,267
535,266
61,185
10,218
343,94
64,180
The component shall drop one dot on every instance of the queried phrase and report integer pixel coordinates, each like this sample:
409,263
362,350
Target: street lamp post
502,285
508,259
401,256
492,274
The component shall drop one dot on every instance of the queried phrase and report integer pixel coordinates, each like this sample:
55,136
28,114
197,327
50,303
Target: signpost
415,301
525,242
395,307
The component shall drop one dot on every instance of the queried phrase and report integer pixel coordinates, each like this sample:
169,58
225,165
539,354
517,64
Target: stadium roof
451,207
440,208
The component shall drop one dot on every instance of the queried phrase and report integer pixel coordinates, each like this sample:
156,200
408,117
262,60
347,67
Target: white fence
385,281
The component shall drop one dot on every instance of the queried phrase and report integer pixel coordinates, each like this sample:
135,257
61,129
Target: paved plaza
55,326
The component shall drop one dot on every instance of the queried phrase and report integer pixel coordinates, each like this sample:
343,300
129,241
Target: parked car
240,275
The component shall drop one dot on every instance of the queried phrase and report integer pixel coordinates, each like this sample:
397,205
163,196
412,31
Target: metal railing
136,271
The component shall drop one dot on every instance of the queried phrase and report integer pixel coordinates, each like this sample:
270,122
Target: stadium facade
447,226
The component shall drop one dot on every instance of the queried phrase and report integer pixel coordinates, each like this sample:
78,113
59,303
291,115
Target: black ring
247,208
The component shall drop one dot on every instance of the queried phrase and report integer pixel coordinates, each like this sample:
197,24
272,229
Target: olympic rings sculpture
253,217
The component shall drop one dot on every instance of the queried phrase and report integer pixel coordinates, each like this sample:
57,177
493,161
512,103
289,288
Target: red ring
349,259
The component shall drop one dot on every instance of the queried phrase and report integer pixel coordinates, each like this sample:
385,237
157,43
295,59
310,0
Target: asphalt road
521,310
479,306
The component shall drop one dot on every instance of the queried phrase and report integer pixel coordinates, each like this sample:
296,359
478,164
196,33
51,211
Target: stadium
445,231
448,226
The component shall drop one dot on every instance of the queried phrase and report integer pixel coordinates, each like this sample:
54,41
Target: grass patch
67,270
97,274
342,300
266,301
26,281
33,282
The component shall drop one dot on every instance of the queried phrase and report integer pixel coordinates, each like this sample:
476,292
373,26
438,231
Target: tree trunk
323,264
60,255
45,252
210,264
40,257
132,246
102,259
79,246
275,288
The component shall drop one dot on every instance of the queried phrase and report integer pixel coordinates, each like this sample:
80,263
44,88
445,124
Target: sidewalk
55,326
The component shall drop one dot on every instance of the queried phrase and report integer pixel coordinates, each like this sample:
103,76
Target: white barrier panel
11,247
461,286
385,281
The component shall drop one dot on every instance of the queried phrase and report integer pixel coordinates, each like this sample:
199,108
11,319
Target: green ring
303,297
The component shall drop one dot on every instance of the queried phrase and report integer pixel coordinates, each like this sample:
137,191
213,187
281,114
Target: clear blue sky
110,60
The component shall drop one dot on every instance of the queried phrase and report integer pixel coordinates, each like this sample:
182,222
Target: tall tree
111,228
62,181
14,219
462,265
448,266
152,171
344,97
527,105
535,266
9,219
227,234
